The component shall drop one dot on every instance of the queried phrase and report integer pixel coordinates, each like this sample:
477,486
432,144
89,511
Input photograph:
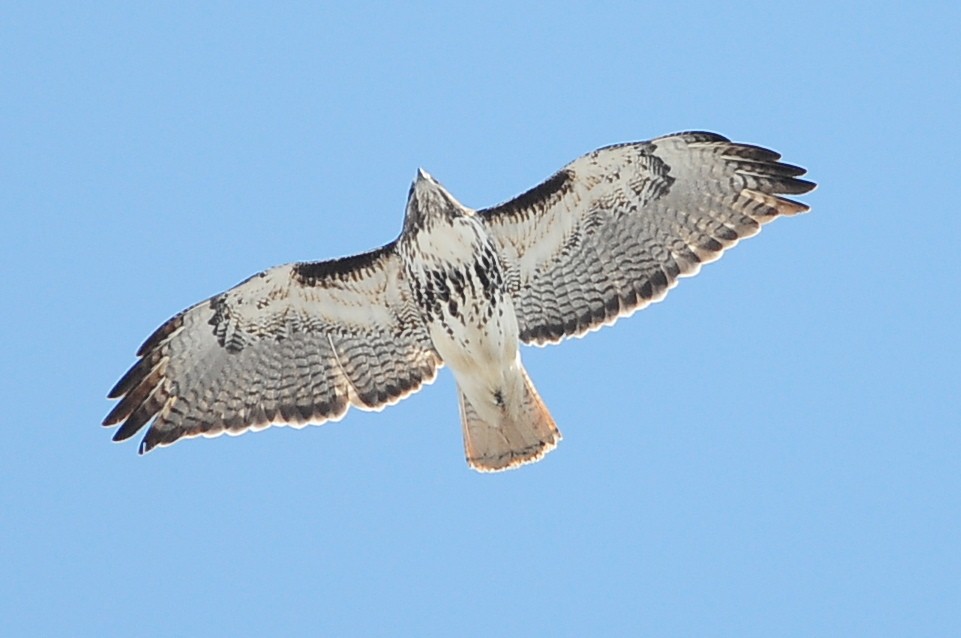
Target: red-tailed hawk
605,236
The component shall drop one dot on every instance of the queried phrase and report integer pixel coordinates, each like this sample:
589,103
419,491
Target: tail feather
523,435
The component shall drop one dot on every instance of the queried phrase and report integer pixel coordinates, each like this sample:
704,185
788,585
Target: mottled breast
458,284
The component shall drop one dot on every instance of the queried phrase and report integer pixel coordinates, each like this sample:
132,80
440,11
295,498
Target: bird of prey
605,236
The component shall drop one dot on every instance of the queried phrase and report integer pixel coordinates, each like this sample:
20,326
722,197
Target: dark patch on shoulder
313,272
542,195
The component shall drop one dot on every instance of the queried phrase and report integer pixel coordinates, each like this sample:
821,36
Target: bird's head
428,201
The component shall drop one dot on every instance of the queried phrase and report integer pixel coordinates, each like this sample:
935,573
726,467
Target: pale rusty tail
523,435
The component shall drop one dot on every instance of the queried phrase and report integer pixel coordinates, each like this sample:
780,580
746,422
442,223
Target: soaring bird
605,236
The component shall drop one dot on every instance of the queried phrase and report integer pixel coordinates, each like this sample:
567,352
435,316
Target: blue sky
774,450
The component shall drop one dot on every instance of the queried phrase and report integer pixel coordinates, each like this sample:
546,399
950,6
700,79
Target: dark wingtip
120,412
790,170
128,381
757,153
160,334
791,186
126,431
112,418
800,186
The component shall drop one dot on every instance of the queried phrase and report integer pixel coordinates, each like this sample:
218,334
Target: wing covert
295,344
613,231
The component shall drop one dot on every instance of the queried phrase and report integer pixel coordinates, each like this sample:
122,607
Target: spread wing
295,344
614,230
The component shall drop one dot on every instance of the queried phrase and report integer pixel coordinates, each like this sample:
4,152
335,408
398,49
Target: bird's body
605,236
458,282
470,320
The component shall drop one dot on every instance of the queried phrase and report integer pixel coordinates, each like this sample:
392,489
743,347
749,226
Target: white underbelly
457,281
483,355
472,342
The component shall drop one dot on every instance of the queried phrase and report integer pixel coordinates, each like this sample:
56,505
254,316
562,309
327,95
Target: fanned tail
524,434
